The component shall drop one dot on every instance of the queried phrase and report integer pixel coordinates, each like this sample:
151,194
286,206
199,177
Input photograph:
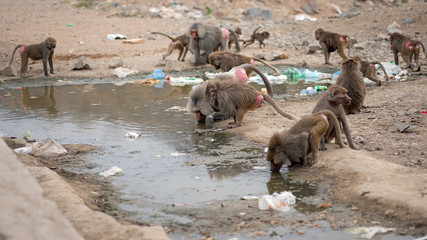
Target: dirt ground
82,31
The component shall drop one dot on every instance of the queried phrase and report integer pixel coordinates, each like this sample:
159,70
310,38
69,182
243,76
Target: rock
305,43
115,63
8,71
151,37
258,13
411,112
394,27
274,56
81,64
401,126
408,20
259,55
359,140
307,9
314,6
313,48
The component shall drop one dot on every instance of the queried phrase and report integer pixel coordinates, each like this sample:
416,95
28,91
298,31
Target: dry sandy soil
386,178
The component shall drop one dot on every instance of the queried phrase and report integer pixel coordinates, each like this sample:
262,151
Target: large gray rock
81,64
25,212
394,27
115,63
258,13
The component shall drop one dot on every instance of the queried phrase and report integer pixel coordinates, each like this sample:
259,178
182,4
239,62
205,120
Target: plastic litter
182,81
368,232
48,148
116,36
112,171
293,73
123,72
272,79
250,198
302,17
24,150
27,137
176,154
133,135
308,91
157,74
277,201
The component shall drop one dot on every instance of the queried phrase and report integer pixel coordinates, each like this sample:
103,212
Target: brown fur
181,43
260,37
330,42
334,99
398,44
351,79
200,106
235,99
293,146
43,50
232,40
368,70
226,60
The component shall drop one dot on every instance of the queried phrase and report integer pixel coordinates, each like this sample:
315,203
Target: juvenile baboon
207,38
260,37
180,43
235,99
294,146
351,79
408,48
199,105
233,38
330,42
369,70
334,99
226,60
43,50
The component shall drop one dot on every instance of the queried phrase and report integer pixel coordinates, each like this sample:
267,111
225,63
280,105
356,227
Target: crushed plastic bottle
308,91
321,88
157,74
277,201
182,81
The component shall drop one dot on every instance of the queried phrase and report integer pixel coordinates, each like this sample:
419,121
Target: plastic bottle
320,88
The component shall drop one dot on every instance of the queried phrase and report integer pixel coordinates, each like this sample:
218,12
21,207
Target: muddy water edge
186,177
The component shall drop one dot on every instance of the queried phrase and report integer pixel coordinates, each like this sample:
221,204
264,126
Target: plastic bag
157,74
293,73
123,72
277,201
112,171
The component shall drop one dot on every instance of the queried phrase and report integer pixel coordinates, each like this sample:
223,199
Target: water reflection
36,101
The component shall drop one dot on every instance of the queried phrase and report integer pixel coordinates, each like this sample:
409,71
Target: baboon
330,42
226,60
199,105
235,99
408,48
334,99
351,79
293,146
43,50
180,43
369,70
232,40
260,37
207,38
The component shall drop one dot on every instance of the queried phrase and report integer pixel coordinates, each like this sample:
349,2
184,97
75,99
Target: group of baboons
228,95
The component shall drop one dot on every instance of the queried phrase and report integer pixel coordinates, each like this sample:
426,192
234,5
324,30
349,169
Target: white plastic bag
112,171
277,201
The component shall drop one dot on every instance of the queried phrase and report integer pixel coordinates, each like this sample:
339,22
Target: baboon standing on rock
208,38
293,146
351,79
408,48
43,50
331,42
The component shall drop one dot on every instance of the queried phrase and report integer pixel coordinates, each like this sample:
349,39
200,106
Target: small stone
307,9
115,63
81,64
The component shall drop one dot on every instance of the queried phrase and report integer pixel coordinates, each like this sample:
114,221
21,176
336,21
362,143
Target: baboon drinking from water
331,42
181,43
408,48
294,146
226,60
43,50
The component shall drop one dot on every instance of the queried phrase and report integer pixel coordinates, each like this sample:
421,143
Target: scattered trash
27,137
133,135
150,81
24,150
302,17
249,198
324,205
368,232
177,154
182,81
48,148
134,40
401,126
157,74
116,36
423,112
69,24
112,171
277,201
293,73
176,108
123,72
272,79
308,91
336,8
